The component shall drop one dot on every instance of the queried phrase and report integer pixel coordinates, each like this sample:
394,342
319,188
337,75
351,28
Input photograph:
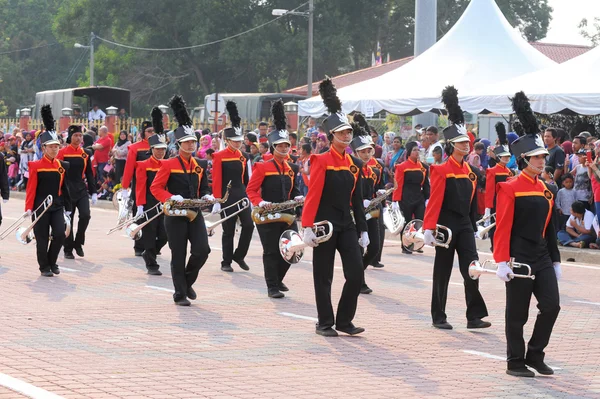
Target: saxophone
372,211
184,208
272,212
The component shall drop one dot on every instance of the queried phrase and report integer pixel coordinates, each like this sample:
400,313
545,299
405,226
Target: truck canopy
83,97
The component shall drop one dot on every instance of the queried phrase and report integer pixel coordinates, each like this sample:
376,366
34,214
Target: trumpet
271,213
134,231
240,205
184,208
476,269
483,230
413,237
25,234
291,245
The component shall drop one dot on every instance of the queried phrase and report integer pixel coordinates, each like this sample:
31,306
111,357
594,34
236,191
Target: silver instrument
134,230
67,224
25,234
239,206
476,269
393,220
124,207
413,238
482,230
291,245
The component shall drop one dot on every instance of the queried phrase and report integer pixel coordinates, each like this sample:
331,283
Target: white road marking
431,281
66,269
588,303
483,354
297,316
25,388
160,288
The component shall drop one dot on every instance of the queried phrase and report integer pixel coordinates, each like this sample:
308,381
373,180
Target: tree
594,35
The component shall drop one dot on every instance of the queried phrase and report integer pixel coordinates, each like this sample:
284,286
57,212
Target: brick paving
105,329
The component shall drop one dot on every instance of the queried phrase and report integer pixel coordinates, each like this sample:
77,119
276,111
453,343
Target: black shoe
521,372
183,302
154,272
79,251
419,251
138,253
283,287
191,293
47,273
226,268
327,332
540,367
242,264
478,323
350,330
275,293
406,252
55,269
378,265
69,255
365,289
443,326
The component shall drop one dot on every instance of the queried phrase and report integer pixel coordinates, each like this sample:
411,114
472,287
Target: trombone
240,205
25,234
134,231
482,229
291,245
476,269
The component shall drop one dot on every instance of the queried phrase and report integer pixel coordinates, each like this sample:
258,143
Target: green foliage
591,33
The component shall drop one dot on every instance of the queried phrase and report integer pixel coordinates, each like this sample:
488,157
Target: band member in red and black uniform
525,232
81,182
154,235
498,174
231,165
4,187
412,180
453,204
179,178
334,192
272,182
138,151
47,177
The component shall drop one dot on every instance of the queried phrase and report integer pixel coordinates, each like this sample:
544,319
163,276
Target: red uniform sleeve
61,154
490,188
129,166
254,186
315,190
438,187
399,177
217,175
505,212
141,179
159,185
31,186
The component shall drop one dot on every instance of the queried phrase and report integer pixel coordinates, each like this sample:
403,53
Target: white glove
68,213
177,198
140,211
487,214
208,197
429,238
299,198
94,198
125,194
426,203
557,270
216,208
29,212
504,272
364,241
310,238
366,203
264,203
395,206
5,200
381,191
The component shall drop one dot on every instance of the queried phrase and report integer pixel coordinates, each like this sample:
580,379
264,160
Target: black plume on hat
362,122
234,115
501,132
328,93
522,107
157,120
278,112
358,130
180,111
450,100
47,117
518,128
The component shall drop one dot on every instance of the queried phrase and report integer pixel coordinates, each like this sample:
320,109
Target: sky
566,16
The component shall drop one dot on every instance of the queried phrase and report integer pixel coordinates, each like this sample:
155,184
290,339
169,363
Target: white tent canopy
481,48
573,85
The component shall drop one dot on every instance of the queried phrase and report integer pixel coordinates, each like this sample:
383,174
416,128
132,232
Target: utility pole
92,37
311,12
425,37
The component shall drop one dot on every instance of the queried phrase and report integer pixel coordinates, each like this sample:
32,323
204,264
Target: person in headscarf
119,152
205,144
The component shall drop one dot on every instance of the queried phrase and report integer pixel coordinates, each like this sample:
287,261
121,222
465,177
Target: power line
42,46
197,45
74,69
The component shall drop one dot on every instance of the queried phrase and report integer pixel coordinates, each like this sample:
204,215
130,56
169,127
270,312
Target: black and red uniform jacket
370,181
334,189
171,179
524,228
47,177
80,171
136,152
412,182
273,182
375,163
145,172
452,199
229,165
495,175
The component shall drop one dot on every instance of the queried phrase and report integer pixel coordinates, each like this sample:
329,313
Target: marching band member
412,180
525,232
47,177
453,204
498,174
81,182
4,187
154,235
272,182
178,179
335,190
139,151
231,165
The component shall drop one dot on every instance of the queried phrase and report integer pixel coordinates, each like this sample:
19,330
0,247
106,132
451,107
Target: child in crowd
548,175
564,200
437,155
579,229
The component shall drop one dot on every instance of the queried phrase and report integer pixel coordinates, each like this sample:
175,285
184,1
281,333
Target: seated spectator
578,232
596,226
564,199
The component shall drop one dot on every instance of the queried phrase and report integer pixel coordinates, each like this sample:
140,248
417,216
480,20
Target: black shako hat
234,132
279,134
49,136
456,131
185,130
337,120
530,141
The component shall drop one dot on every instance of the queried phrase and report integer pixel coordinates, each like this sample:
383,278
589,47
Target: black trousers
518,297
229,232
346,243
119,169
179,231
81,205
275,266
381,226
463,243
154,237
413,211
47,256
374,247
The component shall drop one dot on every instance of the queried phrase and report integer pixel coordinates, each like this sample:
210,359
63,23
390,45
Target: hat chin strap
282,154
346,143
536,170
186,151
463,152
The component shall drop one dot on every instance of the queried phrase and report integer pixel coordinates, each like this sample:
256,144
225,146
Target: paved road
104,328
